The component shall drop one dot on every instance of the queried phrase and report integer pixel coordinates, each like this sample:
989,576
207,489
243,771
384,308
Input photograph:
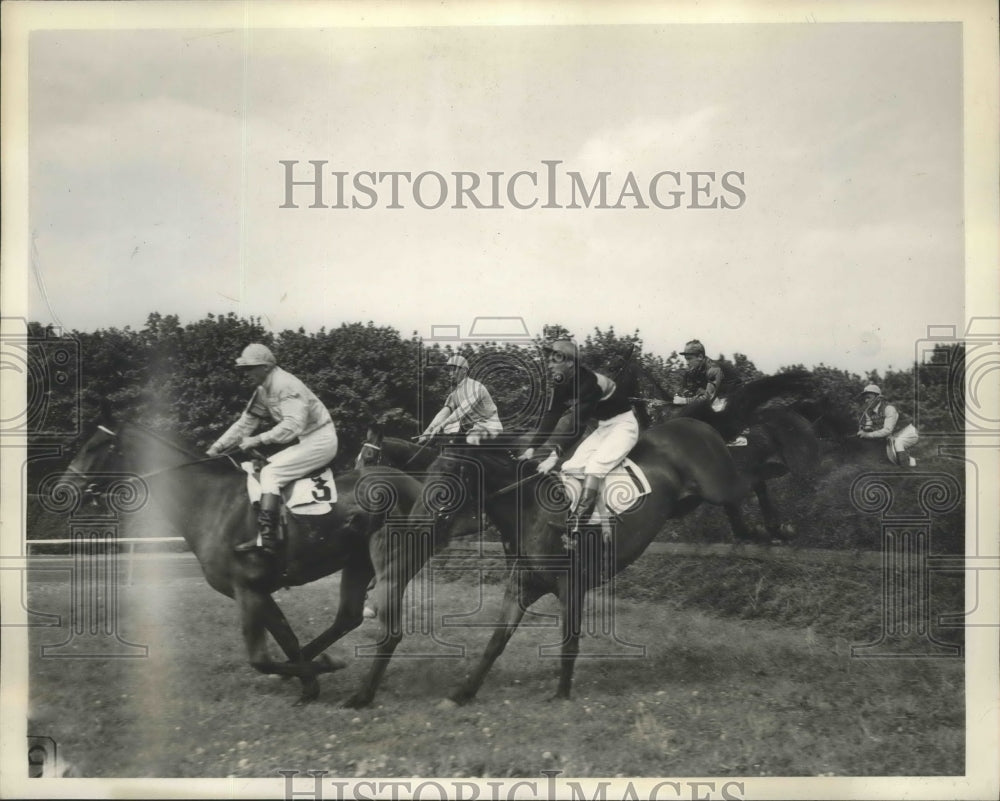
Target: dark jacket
582,397
711,379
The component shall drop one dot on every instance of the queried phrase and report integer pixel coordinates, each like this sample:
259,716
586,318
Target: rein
511,487
165,441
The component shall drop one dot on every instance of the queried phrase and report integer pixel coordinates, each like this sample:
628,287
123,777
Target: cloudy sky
156,182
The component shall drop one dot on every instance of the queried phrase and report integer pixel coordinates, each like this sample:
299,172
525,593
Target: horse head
371,449
115,460
99,463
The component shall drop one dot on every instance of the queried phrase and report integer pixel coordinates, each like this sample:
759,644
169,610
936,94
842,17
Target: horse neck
509,510
194,494
406,456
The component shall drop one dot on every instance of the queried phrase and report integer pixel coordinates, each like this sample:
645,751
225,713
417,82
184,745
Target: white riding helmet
456,361
256,354
873,388
564,347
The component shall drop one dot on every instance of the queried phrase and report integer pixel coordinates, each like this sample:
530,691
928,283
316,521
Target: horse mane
186,449
744,402
795,383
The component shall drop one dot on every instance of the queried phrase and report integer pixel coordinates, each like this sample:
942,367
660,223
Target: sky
156,181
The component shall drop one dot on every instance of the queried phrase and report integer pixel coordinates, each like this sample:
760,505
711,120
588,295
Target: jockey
467,408
281,398
706,379
879,419
580,395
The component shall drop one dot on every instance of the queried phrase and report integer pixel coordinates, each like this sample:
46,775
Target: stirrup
258,543
248,546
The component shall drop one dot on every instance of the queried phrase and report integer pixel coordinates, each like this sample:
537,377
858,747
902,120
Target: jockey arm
712,382
294,413
244,426
570,410
441,420
888,426
462,405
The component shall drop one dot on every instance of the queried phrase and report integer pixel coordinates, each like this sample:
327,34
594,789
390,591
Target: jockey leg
609,444
585,506
267,526
312,452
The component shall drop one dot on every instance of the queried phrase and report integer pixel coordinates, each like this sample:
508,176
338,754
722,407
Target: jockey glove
549,463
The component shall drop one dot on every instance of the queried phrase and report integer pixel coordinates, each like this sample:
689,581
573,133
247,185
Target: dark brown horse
686,463
779,439
205,499
378,449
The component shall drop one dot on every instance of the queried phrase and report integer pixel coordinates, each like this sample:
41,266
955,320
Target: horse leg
260,614
772,523
350,611
390,616
520,594
741,531
572,592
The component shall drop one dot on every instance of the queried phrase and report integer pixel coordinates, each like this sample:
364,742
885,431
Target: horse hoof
357,701
310,692
559,696
449,703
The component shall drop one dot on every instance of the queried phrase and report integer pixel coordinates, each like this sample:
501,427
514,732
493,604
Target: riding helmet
693,348
256,354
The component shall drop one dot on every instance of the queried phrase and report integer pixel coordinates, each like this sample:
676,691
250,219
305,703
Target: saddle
621,490
313,494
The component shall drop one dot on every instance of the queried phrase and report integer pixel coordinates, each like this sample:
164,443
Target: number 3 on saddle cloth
620,491
314,494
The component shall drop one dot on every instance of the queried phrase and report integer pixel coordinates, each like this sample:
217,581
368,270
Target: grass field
727,684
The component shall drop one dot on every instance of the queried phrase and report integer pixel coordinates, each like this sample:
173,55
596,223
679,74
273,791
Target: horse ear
107,417
377,432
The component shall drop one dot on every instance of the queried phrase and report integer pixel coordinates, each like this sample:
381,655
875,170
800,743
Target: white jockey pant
611,442
906,437
312,452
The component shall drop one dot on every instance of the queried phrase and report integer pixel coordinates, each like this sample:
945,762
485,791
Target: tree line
180,379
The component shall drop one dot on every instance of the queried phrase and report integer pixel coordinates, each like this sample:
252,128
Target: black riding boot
267,526
584,509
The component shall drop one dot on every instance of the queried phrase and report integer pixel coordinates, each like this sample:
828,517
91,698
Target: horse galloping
779,439
685,461
205,499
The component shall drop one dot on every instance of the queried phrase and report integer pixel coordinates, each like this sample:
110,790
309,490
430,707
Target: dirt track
673,692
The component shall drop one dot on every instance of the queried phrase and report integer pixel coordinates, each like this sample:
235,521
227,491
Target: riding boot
267,526
584,509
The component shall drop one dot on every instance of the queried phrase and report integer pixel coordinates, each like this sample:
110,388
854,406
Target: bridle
370,446
93,489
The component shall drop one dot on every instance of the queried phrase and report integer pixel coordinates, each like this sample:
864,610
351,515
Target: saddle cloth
314,494
620,491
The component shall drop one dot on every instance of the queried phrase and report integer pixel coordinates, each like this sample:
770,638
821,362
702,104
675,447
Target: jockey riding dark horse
301,423
710,383
581,396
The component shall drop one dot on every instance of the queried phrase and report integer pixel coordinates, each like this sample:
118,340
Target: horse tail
828,420
751,396
793,437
